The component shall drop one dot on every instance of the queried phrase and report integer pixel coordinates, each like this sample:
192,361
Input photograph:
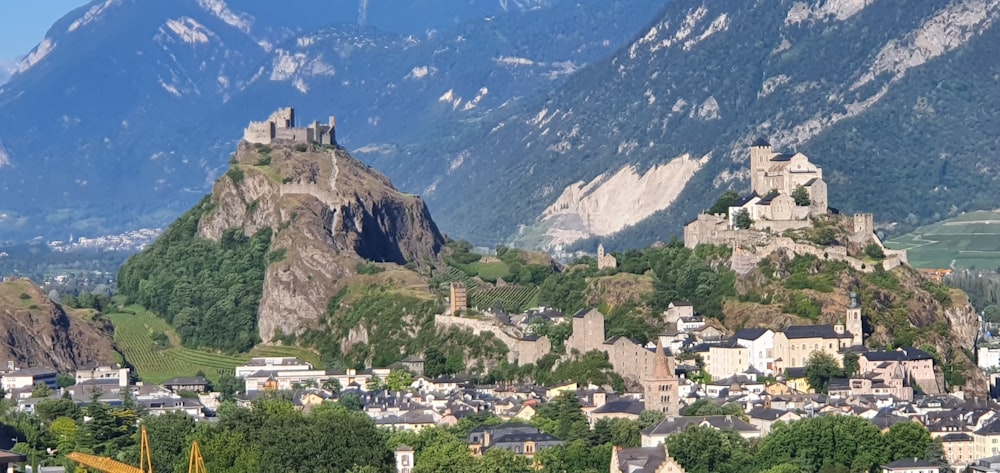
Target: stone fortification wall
521,351
630,360
779,226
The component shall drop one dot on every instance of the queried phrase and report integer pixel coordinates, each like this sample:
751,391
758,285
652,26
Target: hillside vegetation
208,291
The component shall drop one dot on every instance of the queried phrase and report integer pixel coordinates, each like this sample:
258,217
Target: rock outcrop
41,333
329,213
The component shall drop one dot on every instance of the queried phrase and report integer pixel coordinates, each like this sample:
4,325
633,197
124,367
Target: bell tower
660,387
760,154
854,325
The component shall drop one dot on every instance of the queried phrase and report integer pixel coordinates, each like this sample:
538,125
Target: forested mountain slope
896,100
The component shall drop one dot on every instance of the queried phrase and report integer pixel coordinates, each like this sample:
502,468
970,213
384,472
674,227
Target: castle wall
259,132
629,359
588,333
521,351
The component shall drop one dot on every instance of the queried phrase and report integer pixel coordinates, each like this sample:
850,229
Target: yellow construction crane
196,464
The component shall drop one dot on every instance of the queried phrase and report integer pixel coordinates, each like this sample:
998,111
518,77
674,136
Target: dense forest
209,291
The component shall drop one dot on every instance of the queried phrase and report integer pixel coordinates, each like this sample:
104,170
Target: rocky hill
124,114
282,232
41,333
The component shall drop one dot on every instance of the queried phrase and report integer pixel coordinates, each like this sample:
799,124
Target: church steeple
854,324
660,385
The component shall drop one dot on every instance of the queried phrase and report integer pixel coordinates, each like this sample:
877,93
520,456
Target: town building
405,459
271,363
28,378
196,384
103,372
759,343
657,435
911,465
521,439
917,366
643,460
726,359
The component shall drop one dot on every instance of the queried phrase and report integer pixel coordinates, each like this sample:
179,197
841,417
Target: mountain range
551,124
125,113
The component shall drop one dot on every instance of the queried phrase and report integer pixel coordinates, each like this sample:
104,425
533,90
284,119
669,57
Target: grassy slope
969,240
134,331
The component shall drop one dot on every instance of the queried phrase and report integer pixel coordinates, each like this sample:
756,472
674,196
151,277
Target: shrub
874,251
264,160
368,268
236,174
276,255
24,296
301,147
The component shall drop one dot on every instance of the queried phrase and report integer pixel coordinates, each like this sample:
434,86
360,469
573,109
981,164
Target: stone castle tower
854,325
605,260
660,387
458,298
760,154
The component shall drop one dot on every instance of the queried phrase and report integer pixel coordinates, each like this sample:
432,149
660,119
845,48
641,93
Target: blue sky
23,23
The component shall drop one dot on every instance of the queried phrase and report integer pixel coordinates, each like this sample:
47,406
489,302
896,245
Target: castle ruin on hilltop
787,192
280,126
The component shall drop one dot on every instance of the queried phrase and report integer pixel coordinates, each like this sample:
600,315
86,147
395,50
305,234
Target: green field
970,240
134,332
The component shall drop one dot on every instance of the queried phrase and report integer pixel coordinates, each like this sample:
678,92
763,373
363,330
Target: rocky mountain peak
329,213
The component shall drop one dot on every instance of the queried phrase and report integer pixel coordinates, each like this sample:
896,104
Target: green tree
722,204
742,219
399,380
562,417
332,385
701,449
851,365
41,390
648,418
801,196
874,251
820,368
499,460
907,440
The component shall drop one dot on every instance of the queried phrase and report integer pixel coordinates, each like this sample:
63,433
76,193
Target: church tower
760,154
660,387
854,325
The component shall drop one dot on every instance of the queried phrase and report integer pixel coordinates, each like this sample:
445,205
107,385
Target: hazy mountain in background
124,115
896,100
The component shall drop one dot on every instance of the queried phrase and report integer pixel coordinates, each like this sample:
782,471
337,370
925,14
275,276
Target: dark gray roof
993,428
901,354
956,437
810,182
839,384
908,463
795,372
749,333
782,157
673,425
760,141
626,406
196,380
646,459
766,413
814,331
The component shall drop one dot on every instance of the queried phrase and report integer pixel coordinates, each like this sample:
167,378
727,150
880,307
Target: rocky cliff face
329,213
41,333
